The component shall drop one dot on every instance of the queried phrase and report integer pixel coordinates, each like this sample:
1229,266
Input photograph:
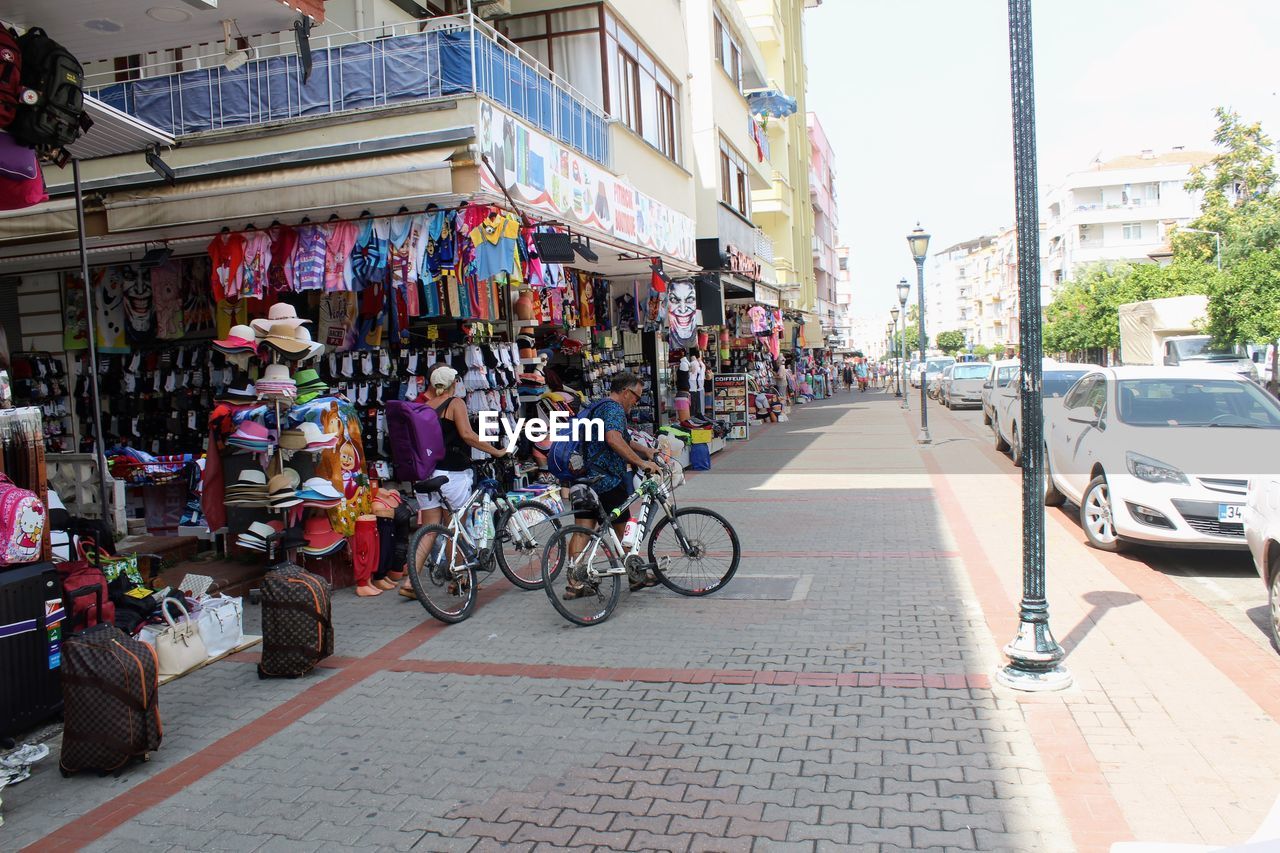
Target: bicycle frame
651,488
461,531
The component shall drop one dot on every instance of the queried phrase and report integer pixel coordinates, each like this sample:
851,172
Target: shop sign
546,176
766,295
742,263
731,403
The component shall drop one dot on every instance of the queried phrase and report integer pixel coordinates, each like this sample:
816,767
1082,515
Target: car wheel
1052,497
1001,444
986,417
1096,516
1015,448
1273,600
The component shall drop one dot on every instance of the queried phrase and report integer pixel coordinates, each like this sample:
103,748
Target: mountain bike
487,530
691,550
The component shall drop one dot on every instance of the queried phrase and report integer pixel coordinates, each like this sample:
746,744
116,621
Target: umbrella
771,103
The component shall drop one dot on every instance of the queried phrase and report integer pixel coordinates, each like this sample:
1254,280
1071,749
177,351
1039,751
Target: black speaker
553,247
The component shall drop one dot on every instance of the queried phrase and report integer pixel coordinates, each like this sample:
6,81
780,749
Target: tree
908,339
950,342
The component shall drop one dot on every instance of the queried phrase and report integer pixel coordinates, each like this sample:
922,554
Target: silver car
962,387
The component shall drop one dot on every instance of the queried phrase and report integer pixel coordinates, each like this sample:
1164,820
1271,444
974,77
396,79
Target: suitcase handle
95,590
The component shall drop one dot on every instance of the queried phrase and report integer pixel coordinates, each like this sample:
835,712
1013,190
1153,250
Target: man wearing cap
459,438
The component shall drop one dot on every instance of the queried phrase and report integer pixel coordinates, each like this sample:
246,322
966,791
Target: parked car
934,366
1159,455
938,380
962,384
1002,373
1262,534
914,369
1056,379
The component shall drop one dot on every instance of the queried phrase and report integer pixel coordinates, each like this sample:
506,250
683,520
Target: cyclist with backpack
459,438
609,459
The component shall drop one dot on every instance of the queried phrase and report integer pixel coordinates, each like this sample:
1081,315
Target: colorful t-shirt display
310,259
257,257
337,259
226,255
166,293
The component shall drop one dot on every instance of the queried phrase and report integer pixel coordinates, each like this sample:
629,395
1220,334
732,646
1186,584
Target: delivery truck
1168,332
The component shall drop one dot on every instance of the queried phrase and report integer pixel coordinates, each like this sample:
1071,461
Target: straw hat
283,314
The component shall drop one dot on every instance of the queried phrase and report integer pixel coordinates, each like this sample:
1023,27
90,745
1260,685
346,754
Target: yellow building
784,210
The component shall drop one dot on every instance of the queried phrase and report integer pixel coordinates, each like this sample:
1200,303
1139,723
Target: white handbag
178,647
221,624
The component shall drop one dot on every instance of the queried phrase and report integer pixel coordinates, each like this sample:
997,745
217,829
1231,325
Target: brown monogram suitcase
110,697
297,629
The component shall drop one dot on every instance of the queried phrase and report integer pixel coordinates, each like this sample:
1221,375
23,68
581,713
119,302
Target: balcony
459,56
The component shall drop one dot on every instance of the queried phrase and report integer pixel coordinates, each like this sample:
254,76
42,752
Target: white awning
55,218
115,132
411,178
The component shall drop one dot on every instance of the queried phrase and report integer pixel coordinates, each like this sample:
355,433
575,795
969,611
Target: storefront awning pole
93,347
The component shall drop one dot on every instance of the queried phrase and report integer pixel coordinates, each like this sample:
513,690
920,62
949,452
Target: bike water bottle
630,533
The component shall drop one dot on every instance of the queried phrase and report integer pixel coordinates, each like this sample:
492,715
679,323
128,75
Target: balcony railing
395,66
764,247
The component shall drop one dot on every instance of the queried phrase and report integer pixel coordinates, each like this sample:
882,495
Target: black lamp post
897,385
904,291
919,243
1034,656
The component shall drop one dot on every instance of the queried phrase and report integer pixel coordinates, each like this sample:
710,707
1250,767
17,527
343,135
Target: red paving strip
1087,802
856,497
969,681
850,555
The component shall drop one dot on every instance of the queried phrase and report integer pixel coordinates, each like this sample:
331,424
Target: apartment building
844,337
973,288
1120,209
826,222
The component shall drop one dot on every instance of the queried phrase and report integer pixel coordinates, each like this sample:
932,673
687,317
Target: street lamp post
904,291
919,243
897,379
1034,656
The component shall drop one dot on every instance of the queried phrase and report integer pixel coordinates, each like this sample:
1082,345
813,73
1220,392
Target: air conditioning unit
491,9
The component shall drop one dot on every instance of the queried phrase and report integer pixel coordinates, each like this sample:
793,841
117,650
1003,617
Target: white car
1160,455
1056,379
1262,533
1002,373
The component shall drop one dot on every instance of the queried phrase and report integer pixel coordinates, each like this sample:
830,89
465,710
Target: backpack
10,76
22,519
57,117
569,460
417,439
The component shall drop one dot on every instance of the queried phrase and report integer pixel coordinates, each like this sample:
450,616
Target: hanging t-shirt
197,302
337,320
226,255
139,308
166,293
109,317
682,376
227,314
280,270
257,257
341,240
307,266
586,302
759,320
369,257
404,236
494,239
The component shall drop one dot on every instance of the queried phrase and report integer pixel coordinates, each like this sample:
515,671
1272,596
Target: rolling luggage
110,697
31,624
297,629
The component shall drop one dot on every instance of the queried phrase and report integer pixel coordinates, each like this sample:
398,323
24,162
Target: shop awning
56,218
115,132
410,178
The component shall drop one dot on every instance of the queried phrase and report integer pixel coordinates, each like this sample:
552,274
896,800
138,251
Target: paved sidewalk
836,695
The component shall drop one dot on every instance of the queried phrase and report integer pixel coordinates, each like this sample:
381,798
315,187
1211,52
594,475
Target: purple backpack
417,441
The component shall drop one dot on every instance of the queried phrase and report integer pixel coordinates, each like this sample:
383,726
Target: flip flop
575,592
649,581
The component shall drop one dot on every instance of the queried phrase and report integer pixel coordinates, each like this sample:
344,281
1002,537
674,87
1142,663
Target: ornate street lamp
1034,656
904,291
919,243
897,379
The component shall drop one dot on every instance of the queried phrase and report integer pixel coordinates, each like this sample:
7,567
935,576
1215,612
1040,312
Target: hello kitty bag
21,524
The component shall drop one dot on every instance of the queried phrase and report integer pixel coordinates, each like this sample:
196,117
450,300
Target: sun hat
443,376
281,492
321,536
251,477
322,487
314,349
307,437
239,338
251,435
241,393
283,314
284,338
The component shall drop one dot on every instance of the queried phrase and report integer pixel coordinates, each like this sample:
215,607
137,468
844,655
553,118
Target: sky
914,97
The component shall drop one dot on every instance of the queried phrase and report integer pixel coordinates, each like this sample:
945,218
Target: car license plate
1233,513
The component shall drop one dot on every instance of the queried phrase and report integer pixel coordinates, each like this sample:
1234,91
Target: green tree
950,342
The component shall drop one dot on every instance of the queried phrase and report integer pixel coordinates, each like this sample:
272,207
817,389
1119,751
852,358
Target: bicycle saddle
432,485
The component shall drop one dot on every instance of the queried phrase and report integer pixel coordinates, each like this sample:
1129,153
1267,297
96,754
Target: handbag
178,646
221,624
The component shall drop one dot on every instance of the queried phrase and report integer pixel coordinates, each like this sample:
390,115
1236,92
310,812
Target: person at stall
459,438
608,460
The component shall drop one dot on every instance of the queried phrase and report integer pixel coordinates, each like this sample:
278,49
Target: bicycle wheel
523,534
448,594
695,552
570,554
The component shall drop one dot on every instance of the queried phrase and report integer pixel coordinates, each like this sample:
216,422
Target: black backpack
57,117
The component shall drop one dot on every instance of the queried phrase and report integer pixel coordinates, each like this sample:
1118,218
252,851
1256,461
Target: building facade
1121,209
826,222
